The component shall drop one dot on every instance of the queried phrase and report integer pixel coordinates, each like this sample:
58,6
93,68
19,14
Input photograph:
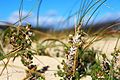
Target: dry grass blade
55,41
6,64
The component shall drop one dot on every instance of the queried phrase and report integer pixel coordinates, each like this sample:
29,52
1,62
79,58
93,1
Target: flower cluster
21,39
75,42
20,36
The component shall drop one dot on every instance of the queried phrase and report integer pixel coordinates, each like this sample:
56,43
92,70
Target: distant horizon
47,28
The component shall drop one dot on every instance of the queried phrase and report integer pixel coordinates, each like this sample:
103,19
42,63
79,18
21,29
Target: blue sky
53,11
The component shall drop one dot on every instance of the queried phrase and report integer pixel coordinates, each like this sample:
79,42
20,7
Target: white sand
16,69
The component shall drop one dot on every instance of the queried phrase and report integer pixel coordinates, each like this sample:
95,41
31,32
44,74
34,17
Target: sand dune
15,70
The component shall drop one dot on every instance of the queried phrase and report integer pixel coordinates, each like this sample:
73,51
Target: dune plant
19,38
80,59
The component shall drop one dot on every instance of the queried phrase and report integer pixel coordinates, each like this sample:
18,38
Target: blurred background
56,14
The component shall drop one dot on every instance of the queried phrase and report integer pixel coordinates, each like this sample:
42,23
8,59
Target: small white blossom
27,37
72,50
76,38
28,42
70,35
30,33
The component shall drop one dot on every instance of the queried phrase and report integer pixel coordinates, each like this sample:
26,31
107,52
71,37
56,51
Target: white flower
30,33
70,60
69,63
76,38
70,36
72,50
27,37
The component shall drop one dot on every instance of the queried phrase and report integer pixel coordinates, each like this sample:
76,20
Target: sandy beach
16,71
